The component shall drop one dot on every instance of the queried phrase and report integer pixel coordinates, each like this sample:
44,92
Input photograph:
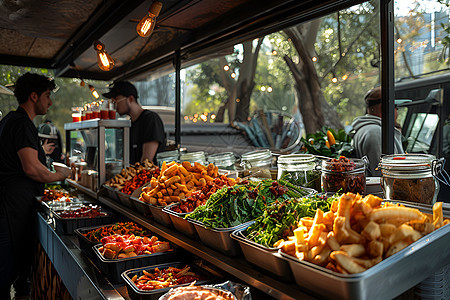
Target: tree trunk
239,91
311,101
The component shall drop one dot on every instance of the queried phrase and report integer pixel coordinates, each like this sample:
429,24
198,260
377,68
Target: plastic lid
257,155
193,155
167,154
407,161
296,158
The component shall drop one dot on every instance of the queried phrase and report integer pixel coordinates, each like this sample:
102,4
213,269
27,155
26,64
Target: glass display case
97,150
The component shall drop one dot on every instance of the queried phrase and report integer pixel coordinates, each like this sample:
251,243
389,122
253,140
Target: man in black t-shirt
147,135
22,177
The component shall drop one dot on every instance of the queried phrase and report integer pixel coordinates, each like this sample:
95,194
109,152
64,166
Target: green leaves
316,143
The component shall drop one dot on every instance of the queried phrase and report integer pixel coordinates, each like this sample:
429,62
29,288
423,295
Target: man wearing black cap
147,135
367,138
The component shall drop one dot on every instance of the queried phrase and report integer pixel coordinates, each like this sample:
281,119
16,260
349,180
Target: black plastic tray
86,245
139,294
113,268
68,226
180,223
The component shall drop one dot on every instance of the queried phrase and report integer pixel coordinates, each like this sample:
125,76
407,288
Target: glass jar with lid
410,177
299,169
224,160
167,156
192,157
257,163
344,175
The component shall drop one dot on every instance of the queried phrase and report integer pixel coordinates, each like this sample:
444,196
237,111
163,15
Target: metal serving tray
219,238
180,223
160,216
125,200
142,207
113,268
386,280
264,258
136,293
111,192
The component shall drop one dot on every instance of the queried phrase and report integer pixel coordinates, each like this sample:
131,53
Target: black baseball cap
123,88
373,97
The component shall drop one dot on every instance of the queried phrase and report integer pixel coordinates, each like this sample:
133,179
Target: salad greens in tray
232,206
279,219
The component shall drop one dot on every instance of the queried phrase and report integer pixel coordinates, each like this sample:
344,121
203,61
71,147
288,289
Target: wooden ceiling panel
14,43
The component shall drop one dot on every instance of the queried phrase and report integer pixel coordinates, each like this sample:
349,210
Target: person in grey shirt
367,132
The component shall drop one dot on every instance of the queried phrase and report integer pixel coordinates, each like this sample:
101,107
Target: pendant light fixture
94,92
147,23
105,61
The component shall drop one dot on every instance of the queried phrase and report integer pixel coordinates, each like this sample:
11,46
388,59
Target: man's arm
34,169
149,150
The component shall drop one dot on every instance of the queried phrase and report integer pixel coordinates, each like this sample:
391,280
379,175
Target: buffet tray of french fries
366,248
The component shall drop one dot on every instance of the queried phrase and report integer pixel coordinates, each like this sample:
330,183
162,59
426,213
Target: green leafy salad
281,218
231,206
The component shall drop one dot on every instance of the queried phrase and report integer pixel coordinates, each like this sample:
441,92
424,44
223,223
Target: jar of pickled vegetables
344,175
257,163
224,160
410,177
299,169
192,157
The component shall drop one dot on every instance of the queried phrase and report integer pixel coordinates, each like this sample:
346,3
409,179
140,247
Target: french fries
357,233
177,181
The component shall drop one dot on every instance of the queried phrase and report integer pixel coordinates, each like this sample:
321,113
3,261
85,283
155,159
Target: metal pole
177,99
387,75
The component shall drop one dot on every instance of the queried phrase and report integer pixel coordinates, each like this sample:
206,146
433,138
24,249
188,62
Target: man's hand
49,147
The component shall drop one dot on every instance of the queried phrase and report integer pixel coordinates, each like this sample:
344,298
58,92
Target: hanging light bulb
94,92
105,61
147,23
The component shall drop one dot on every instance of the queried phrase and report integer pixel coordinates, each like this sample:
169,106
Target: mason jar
224,160
167,156
257,163
192,157
299,169
344,175
410,177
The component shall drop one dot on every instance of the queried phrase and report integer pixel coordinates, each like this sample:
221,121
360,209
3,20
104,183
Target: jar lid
257,155
407,161
296,158
343,165
193,155
221,156
167,154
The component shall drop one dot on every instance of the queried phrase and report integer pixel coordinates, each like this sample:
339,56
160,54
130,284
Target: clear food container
410,177
299,169
192,157
224,160
344,175
167,156
257,163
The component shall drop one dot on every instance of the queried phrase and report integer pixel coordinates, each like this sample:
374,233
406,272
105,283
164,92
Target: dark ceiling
59,34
